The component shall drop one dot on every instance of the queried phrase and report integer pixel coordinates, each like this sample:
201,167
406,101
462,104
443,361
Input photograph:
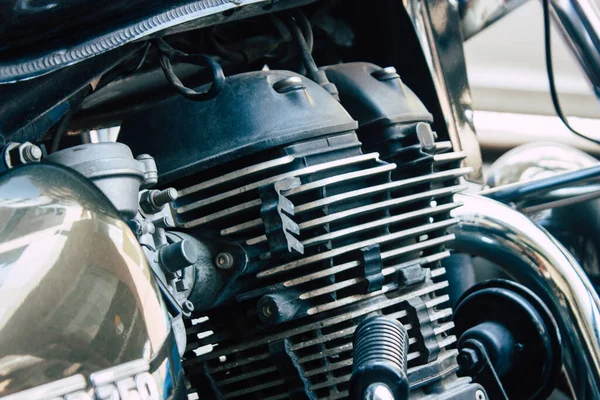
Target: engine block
372,244
322,234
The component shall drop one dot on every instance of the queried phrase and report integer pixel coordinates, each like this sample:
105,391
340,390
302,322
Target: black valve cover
248,116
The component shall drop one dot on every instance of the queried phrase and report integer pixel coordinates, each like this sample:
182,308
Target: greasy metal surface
533,257
438,28
76,295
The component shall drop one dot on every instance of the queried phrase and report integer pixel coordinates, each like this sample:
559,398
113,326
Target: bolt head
469,360
224,261
479,395
30,152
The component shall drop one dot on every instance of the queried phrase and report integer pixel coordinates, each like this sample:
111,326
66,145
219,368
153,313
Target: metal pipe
533,257
579,23
476,15
520,191
438,29
577,20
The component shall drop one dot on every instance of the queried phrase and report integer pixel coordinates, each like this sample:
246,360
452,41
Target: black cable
61,129
550,71
168,54
234,56
62,125
304,24
307,59
142,59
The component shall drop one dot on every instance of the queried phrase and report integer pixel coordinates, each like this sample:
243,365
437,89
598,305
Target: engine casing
325,227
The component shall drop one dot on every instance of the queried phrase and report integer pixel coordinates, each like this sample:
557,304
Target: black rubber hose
307,59
169,54
380,357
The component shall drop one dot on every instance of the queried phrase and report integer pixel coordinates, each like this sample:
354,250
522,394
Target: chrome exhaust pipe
531,256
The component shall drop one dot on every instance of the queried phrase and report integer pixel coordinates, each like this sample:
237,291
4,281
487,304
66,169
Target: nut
469,360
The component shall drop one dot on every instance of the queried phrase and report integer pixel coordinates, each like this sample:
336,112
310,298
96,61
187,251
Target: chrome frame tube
477,15
437,26
578,21
531,256
579,24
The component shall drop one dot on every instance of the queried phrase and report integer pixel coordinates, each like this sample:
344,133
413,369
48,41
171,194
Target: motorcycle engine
303,217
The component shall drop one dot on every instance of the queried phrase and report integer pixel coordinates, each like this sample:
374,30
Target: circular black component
278,307
380,350
518,332
177,256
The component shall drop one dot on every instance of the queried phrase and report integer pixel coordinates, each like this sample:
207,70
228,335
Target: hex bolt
289,84
469,360
479,395
224,260
31,152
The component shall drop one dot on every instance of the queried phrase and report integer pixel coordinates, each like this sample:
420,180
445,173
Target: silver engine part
113,169
311,304
529,254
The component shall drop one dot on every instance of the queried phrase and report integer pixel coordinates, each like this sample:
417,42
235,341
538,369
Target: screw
163,197
289,84
224,260
479,395
153,201
31,152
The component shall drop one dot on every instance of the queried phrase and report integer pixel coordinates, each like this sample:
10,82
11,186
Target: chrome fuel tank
79,311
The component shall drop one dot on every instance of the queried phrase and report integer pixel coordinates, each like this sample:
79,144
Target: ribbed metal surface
345,202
